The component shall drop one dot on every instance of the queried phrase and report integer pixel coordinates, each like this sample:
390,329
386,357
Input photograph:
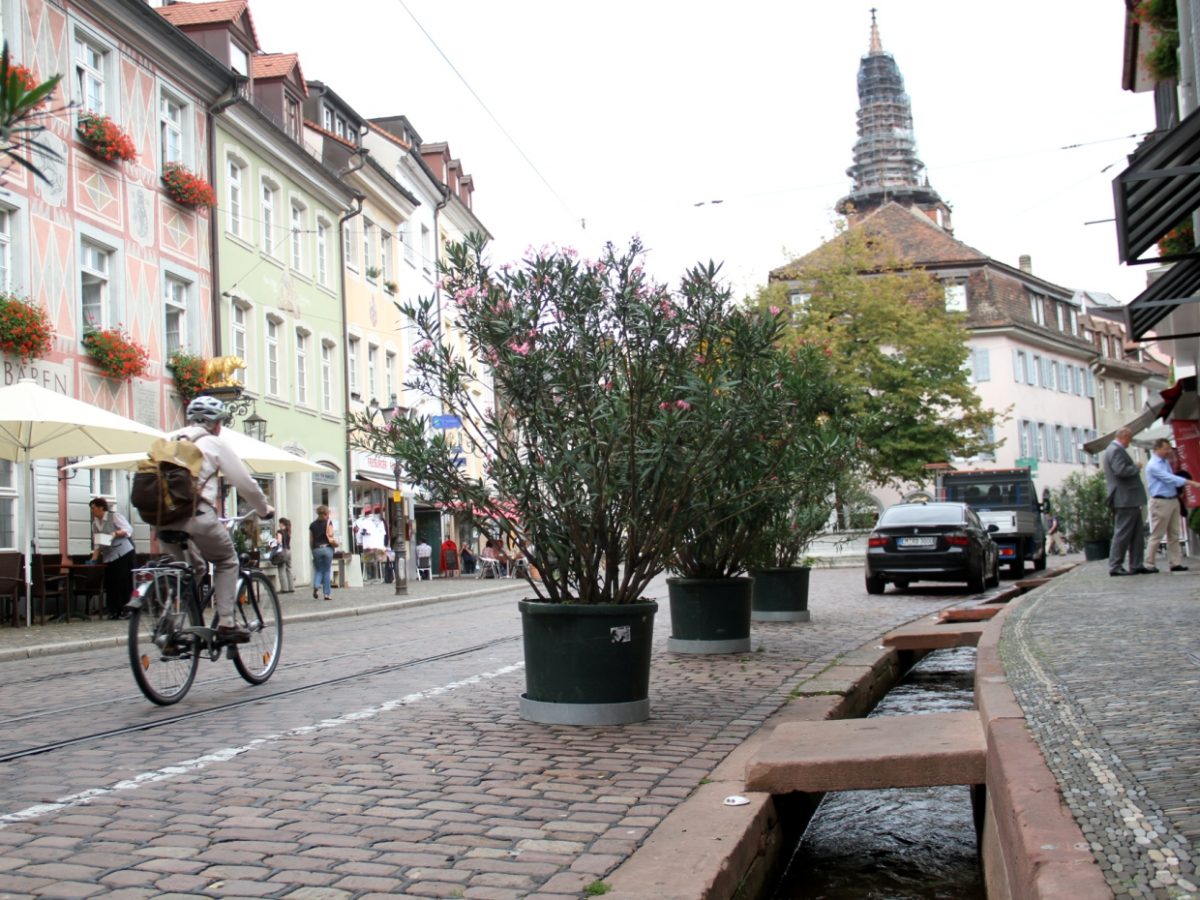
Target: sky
586,122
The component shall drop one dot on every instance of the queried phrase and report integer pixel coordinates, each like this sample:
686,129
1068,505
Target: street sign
1029,462
446,422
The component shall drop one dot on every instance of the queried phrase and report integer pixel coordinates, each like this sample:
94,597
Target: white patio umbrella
260,457
36,423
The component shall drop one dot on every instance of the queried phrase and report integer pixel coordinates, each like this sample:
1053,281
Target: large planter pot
1096,550
780,595
587,665
710,615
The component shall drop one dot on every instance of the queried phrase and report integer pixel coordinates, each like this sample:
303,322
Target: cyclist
208,537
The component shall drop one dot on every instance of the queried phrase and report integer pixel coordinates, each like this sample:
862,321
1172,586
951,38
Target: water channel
900,844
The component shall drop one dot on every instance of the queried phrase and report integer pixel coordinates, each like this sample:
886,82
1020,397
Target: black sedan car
931,542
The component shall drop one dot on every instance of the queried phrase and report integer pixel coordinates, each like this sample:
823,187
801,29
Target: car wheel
875,585
976,582
993,580
1039,564
901,584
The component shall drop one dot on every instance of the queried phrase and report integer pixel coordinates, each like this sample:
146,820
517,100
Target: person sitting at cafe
112,541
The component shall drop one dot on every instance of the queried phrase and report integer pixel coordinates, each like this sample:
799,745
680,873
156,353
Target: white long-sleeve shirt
221,460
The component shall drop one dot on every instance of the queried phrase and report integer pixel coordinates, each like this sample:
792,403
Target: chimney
1025,263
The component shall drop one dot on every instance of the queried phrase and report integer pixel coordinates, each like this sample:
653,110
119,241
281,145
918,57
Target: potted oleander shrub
593,454
787,441
1081,502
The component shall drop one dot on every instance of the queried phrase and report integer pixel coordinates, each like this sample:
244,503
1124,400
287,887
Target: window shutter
1017,366
983,364
1089,383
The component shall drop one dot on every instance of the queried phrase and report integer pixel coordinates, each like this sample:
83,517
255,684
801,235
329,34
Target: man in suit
1127,496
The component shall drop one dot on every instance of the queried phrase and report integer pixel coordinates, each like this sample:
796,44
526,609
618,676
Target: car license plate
906,542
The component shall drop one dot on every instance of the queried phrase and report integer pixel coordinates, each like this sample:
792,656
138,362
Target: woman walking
322,542
283,556
112,536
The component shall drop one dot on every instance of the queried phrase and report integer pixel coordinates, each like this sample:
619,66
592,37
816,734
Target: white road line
202,762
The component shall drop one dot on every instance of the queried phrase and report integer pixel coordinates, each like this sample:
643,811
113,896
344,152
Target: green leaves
22,100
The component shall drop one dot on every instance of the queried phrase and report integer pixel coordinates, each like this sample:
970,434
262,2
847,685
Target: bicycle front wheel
257,609
163,661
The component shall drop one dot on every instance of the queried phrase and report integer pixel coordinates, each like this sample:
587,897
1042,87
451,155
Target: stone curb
120,640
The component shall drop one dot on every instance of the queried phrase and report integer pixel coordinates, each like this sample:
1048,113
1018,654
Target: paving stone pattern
1105,670
452,797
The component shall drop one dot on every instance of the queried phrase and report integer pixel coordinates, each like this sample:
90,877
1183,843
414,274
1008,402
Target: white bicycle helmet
205,410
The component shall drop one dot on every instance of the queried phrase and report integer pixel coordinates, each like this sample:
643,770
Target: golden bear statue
218,371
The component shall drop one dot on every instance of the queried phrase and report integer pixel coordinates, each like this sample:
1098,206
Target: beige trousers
1164,521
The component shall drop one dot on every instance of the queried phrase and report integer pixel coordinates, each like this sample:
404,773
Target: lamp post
399,545
255,426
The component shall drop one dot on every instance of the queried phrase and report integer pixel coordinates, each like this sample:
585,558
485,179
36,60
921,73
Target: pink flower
666,308
775,310
664,405
700,359
521,349
682,404
423,347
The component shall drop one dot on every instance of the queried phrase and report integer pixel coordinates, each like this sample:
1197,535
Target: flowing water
901,844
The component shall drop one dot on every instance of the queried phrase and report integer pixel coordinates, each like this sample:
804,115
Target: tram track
191,715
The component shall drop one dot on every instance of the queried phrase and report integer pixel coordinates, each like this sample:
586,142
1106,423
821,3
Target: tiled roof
914,237
183,14
277,65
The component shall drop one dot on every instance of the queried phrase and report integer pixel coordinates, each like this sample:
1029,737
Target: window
1117,396
8,505
956,298
175,319
1019,366
1023,438
91,62
327,376
368,247
239,59
1067,452
298,233
1089,383
1038,372
272,356
980,360
322,252
1040,448
352,364
1101,392
1105,346
1064,378
1133,404
234,200
269,197
385,257
1037,309
301,367
1054,379
6,258
1076,454
1058,315
372,371
292,118
327,118
349,240
94,291
389,376
170,128
989,435
1076,380
406,237
339,126
237,338
1075,325
426,250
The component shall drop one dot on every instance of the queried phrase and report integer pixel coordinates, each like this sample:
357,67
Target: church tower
886,167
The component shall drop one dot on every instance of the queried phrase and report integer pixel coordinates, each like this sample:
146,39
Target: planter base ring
584,713
735,645
797,615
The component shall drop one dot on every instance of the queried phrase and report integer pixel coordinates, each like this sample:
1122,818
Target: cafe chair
12,586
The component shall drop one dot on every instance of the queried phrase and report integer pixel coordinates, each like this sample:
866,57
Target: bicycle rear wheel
163,666
257,609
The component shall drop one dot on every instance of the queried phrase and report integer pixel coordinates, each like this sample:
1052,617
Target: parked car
931,542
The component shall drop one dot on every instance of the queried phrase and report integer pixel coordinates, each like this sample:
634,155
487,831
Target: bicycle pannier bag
165,488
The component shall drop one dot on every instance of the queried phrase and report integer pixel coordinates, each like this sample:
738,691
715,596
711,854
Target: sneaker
233,634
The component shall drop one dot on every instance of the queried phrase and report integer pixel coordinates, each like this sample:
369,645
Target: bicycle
167,634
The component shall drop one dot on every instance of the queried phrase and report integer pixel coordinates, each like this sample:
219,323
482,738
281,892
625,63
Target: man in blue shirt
1164,487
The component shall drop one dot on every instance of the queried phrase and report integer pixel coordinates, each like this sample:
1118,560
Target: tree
23,100
884,324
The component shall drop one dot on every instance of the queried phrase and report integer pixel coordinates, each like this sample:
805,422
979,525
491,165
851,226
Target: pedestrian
1126,497
323,543
1054,531
112,537
424,557
1164,487
282,557
448,558
468,560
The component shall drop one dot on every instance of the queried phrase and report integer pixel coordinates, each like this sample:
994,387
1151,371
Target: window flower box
105,138
187,188
116,353
25,329
190,377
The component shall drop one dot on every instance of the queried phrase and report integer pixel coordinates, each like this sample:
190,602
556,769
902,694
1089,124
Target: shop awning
1176,287
373,478
1160,188
1147,418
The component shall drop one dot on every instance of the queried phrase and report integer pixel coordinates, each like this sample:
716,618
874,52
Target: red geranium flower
105,138
186,187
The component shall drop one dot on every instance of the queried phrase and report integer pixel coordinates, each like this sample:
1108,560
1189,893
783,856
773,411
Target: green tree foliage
23,101
884,325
